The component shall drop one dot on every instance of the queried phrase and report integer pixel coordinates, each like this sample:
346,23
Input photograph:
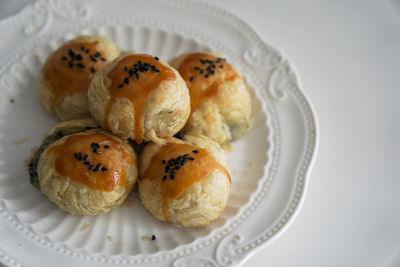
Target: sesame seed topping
104,169
80,65
71,53
103,59
82,48
64,58
106,146
93,58
120,86
92,69
191,78
195,151
97,54
156,58
153,237
70,64
79,57
87,51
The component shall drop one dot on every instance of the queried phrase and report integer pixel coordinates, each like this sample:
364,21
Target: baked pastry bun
220,101
68,71
139,96
184,182
83,168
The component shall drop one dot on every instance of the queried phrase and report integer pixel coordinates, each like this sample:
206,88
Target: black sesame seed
126,80
64,58
93,145
103,59
196,68
86,157
71,53
70,64
104,169
201,71
97,54
87,51
92,69
163,161
157,70
195,151
80,65
120,86
93,58
156,58
172,176
76,155
87,163
206,75
97,167
191,78
164,178
82,48
153,237
137,75
91,167
106,146
191,159
221,67
79,57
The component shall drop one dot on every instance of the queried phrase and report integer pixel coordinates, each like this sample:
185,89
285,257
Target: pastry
82,168
184,182
139,96
68,71
220,101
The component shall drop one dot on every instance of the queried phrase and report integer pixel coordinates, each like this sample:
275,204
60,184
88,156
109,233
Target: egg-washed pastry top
179,166
71,68
87,155
135,77
204,73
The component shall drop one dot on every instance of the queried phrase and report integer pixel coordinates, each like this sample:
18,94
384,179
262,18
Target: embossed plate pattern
269,166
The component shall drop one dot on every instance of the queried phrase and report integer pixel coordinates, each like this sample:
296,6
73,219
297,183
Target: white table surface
348,57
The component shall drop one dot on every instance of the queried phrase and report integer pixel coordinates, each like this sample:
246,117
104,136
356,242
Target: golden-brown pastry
220,101
139,96
68,71
184,182
83,168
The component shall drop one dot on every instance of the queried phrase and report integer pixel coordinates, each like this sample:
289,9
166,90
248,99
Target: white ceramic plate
269,166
